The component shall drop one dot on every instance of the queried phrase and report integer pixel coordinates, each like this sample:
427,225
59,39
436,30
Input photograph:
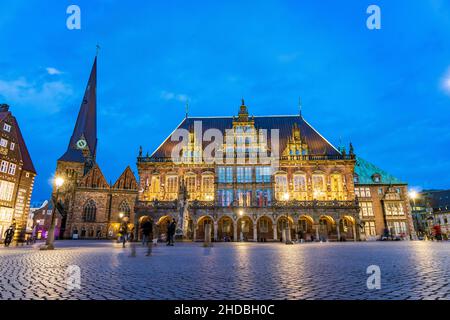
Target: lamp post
49,243
287,235
413,195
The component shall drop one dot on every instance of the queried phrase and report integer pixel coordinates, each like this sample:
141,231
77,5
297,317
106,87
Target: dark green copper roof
366,170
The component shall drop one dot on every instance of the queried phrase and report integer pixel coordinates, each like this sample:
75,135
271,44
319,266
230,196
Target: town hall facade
268,178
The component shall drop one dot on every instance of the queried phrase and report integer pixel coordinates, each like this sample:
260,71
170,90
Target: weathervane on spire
187,108
97,47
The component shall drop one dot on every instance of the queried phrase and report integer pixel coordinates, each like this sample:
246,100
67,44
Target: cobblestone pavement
409,270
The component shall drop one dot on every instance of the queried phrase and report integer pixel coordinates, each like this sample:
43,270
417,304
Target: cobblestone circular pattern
409,270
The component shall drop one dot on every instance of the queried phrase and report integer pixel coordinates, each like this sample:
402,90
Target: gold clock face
81,144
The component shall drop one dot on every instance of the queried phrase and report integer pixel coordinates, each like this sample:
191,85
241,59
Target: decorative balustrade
195,204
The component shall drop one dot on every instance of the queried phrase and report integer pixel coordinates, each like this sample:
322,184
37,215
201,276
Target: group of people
127,234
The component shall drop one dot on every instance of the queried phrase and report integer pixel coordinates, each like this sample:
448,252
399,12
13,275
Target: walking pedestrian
147,235
9,234
171,232
123,231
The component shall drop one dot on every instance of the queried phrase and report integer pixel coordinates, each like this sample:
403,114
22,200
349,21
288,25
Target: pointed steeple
83,143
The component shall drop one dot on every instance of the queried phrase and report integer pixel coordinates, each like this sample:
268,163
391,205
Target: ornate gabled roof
94,178
86,125
367,174
127,180
317,144
23,150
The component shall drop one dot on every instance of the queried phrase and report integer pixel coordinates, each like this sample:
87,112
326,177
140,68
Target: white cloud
288,57
46,96
174,96
53,71
446,82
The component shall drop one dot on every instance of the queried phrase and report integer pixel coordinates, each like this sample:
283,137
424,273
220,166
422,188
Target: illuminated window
172,184
190,181
366,209
225,197
299,182
6,190
281,186
318,183
263,197
208,187
337,187
6,214
363,192
369,228
4,166
263,174
244,198
12,145
12,168
7,127
244,174
3,142
225,174
155,185
125,208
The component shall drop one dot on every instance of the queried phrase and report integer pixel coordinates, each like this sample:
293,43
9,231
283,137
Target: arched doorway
346,228
245,229
327,229
265,229
163,224
282,223
201,223
141,221
305,228
225,232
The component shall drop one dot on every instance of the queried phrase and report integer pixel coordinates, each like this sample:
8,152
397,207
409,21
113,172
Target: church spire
83,143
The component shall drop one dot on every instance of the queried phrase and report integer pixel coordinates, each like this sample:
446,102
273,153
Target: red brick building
89,205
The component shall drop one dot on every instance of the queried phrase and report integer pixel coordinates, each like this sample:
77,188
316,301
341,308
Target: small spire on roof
300,106
97,49
187,108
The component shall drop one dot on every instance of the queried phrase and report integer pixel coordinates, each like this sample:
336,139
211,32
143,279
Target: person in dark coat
147,232
171,232
9,234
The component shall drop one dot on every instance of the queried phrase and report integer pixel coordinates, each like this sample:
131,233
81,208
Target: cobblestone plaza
409,270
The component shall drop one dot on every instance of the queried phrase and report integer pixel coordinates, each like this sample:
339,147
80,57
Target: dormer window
7,127
376,178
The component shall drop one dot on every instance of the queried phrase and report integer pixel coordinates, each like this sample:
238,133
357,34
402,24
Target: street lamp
49,243
241,235
287,235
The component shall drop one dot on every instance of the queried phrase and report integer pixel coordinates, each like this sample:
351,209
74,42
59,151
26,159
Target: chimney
4,107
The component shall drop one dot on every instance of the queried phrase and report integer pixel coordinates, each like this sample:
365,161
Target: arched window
124,208
90,211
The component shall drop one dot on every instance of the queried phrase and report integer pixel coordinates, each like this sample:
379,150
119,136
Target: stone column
207,227
216,228
338,231
354,231
317,232
255,232
194,236
274,226
235,235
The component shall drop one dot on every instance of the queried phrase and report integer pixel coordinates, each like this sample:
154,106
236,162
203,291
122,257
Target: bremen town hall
241,178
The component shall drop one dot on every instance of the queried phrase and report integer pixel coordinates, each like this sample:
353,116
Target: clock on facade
81,144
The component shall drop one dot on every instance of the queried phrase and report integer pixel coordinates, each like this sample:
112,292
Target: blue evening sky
387,91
